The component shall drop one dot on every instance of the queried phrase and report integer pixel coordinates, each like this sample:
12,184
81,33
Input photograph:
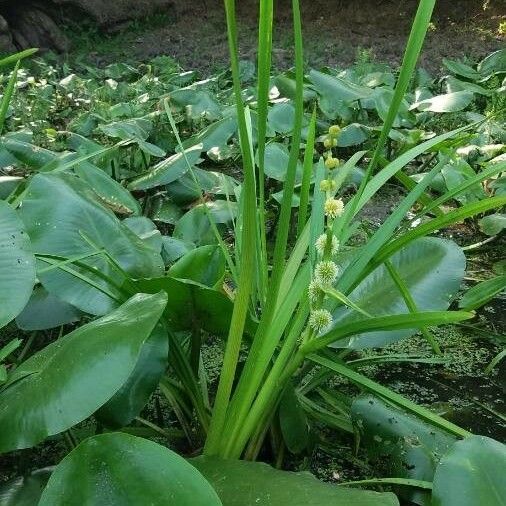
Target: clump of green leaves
123,217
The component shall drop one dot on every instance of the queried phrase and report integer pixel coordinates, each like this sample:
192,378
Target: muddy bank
194,33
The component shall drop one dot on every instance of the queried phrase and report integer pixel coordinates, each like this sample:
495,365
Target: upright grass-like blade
306,174
317,220
286,203
6,99
413,48
261,352
248,248
390,395
274,384
264,69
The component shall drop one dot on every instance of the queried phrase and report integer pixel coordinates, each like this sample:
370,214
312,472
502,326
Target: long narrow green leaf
462,187
268,396
306,174
411,54
14,58
7,97
410,303
248,242
317,221
339,296
388,322
286,203
255,368
293,265
258,358
353,272
405,482
428,227
264,69
377,182
390,395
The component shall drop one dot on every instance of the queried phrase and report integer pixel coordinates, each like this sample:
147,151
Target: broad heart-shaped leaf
382,100
276,162
194,226
197,104
8,184
122,470
185,190
191,304
145,230
17,265
493,223
131,398
493,63
215,135
45,311
293,421
471,474
282,117
71,378
241,483
451,102
134,128
456,172
167,170
461,69
64,225
173,249
287,87
335,89
352,135
431,268
27,153
409,447
163,210
25,490
110,191
205,265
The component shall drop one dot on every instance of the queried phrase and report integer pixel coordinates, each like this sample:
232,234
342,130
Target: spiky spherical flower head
334,130
320,319
314,290
321,244
326,272
333,208
329,142
331,163
328,185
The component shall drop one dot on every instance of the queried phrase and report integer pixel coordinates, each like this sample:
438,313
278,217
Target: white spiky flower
314,290
333,208
326,272
321,243
320,319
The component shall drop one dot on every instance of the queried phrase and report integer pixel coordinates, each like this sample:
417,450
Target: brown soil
335,32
